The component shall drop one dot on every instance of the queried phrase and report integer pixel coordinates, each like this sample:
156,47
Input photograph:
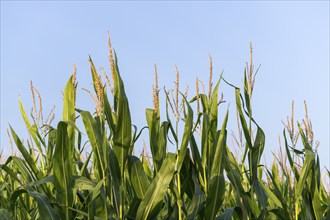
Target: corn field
54,176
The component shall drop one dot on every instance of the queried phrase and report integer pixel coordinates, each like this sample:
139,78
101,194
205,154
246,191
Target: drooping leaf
46,211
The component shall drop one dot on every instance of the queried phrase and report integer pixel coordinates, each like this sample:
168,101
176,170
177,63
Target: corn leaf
186,136
95,139
229,213
5,214
153,125
256,151
309,158
111,120
151,203
28,159
46,211
235,177
138,178
69,112
62,169
216,188
198,200
123,133
32,131
213,125
197,160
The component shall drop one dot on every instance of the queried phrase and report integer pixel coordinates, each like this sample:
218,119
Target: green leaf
316,180
213,124
115,178
147,167
186,135
215,196
123,133
138,178
316,203
22,168
271,195
235,177
28,159
95,140
278,193
288,153
327,216
30,127
246,95
83,171
153,125
309,158
151,203
50,149
229,212
198,199
134,205
47,179
97,206
304,139
277,212
197,160
162,140
245,128
82,183
5,214
257,151
186,182
69,113
46,211
216,188
111,119
157,137
262,197
205,142
10,171
62,169
213,108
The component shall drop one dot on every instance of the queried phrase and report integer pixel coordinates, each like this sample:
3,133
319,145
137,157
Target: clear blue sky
40,41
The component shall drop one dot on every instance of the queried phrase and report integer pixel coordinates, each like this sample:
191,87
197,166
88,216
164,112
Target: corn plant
56,177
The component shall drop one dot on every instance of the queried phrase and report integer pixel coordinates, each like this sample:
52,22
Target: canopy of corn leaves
52,178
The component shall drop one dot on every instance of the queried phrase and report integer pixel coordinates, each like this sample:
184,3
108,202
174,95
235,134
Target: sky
40,41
